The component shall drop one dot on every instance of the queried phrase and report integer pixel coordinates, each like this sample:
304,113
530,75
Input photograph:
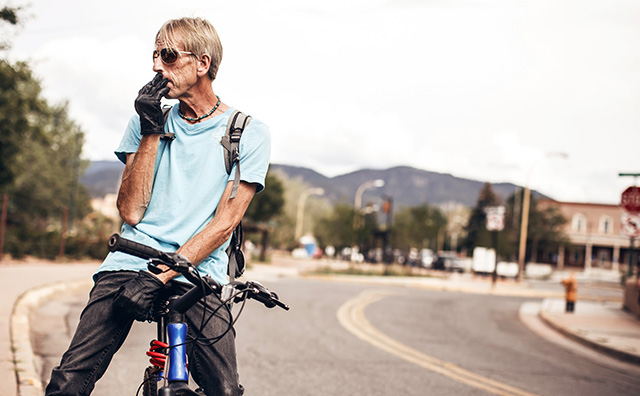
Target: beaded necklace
196,119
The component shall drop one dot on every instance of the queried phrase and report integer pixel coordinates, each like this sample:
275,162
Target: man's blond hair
197,35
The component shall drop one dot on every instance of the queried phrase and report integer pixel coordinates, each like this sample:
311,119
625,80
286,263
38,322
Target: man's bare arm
137,181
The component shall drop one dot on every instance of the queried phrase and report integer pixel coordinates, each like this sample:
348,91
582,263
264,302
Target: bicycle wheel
151,377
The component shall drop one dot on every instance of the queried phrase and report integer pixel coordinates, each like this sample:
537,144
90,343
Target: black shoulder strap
238,121
236,257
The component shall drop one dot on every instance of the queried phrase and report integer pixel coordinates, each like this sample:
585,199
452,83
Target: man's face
181,73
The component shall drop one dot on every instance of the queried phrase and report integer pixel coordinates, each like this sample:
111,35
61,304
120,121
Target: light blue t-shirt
190,177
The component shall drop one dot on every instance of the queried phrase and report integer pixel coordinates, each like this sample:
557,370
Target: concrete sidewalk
598,322
604,326
24,285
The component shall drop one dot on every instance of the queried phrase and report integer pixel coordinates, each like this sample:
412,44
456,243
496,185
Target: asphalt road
406,342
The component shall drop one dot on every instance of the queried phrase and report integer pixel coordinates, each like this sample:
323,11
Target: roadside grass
370,270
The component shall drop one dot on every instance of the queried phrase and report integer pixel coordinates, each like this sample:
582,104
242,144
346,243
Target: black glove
136,297
148,105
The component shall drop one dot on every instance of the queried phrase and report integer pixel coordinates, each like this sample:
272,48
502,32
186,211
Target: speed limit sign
630,225
495,218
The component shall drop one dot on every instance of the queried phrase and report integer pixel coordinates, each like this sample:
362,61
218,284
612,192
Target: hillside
407,186
102,177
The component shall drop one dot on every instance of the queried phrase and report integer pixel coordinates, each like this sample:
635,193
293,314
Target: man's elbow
130,217
130,220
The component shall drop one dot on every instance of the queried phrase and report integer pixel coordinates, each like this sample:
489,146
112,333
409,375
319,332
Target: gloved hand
136,297
148,105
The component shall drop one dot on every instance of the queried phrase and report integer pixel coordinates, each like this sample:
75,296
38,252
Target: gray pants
102,330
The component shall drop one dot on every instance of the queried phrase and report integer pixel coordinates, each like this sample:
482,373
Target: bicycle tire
151,377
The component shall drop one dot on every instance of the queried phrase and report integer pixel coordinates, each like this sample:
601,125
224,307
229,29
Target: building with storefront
594,231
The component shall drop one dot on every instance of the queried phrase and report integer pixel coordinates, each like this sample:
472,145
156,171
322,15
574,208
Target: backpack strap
234,252
238,121
231,142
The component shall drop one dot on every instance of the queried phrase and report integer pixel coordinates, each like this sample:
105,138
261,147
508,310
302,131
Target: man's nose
157,65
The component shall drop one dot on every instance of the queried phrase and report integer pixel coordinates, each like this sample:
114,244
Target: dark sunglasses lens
169,55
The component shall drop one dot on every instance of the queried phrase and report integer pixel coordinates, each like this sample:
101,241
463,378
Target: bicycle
168,352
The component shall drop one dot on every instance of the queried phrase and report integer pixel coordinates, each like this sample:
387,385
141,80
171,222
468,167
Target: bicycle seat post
160,317
162,328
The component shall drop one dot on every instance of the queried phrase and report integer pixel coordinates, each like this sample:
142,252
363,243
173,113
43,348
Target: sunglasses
169,55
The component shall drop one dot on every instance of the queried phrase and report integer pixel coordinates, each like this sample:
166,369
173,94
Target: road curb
498,290
27,377
615,353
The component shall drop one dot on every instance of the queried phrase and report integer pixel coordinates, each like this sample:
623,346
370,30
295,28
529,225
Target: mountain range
407,186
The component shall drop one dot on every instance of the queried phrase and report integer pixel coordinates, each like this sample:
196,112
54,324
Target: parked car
449,263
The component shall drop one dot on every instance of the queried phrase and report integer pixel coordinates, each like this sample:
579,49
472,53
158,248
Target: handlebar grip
120,244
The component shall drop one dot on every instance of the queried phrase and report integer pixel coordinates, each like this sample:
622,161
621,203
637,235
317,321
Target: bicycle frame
174,335
172,329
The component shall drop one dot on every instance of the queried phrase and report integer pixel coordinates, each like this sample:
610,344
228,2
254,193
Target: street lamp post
524,224
358,199
301,201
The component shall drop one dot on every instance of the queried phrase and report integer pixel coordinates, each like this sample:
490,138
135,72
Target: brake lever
262,294
152,265
174,261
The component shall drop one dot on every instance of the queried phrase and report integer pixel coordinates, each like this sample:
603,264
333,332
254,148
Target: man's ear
203,65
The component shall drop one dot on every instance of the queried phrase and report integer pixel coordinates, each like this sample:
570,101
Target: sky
544,93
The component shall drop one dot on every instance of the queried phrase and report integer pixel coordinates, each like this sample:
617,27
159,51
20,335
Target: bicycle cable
206,309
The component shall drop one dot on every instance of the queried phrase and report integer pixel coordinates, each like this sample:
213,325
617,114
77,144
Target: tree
48,168
16,98
40,164
267,204
476,229
336,228
8,15
418,227
19,100
264,207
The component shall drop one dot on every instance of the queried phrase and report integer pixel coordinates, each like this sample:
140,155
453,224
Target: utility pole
300,215
524,224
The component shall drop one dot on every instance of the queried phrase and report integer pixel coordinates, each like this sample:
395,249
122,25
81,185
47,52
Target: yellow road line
351,316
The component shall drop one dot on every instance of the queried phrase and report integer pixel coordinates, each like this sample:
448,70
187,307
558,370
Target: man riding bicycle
176,195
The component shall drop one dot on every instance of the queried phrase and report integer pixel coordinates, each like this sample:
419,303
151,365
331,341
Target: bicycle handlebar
249,289
120,244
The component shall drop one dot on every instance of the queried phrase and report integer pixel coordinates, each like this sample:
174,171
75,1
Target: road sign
630,225
630,199
495,218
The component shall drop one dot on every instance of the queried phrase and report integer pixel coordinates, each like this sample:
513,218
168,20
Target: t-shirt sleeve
255,152
131,139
